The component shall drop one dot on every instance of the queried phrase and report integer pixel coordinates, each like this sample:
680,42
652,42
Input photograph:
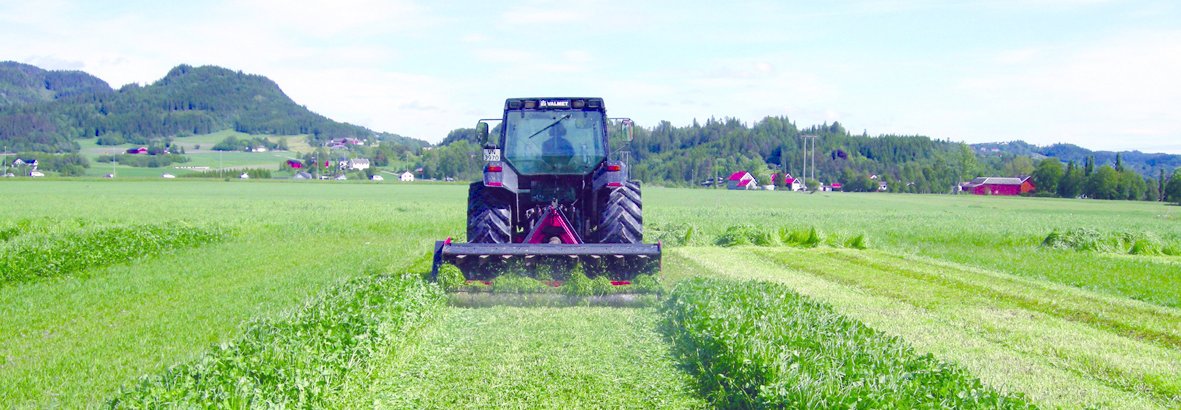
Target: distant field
962,278
203,157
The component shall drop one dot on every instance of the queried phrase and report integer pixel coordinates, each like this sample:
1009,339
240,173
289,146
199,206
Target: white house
168,176
358,164
742,180
406,176
793,183
377,178
36,174
244,176
31,163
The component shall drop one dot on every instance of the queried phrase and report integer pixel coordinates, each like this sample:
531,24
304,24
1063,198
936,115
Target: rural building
742,180
294,164
377,178
36,174
836,186
244,176
31,163
358,164
793,183
341,177
882,186
998,186
302,175
136,151
168,176
406,176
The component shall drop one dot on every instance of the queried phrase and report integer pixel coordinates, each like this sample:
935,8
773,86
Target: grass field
200,157
954,284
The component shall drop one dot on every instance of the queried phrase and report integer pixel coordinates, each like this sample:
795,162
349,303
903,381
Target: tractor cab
560,136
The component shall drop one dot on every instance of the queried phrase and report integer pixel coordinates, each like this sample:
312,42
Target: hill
1147,164
47,110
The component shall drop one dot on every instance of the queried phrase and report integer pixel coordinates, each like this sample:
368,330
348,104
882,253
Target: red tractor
552,197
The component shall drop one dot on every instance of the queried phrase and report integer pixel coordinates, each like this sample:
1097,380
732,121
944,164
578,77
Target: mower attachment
485,261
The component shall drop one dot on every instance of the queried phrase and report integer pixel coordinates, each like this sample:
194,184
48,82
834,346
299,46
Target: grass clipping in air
573,283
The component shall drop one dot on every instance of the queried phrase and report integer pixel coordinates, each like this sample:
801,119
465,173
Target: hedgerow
38,255
759,345
300,360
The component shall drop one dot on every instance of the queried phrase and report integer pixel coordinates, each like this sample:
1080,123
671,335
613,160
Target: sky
1100,74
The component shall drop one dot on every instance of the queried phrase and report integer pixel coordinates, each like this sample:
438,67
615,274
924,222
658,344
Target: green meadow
198,293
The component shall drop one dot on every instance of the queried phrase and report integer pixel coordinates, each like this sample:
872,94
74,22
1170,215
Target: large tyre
488,215
622,218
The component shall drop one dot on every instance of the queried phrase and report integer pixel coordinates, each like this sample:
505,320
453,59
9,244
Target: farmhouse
358,164
406,176
742,180
377,178
294,164
836,186
32,163
793,183
998,186
136,151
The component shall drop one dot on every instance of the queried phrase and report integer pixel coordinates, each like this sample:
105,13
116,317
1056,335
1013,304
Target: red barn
998,186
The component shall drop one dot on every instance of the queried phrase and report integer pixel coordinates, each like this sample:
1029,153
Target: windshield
554,142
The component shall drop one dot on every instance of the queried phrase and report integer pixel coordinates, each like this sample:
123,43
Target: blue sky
1101,74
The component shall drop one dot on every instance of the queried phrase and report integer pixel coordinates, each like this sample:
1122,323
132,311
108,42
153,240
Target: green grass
42,255
760,345
966,279
507,357
71,341
998,233
1075,348
302,360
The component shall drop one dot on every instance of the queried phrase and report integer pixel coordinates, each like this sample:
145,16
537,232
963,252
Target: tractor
553,197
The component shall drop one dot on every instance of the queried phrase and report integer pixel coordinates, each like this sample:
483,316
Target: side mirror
482,133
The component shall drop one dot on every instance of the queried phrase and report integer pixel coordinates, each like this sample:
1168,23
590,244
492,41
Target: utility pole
809,157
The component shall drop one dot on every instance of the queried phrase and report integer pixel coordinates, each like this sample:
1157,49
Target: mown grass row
38,255
747,234
301,360
756,344
1133,243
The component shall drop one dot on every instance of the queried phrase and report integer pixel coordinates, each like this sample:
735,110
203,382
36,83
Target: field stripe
507,357
1122,362
966,336
1129,317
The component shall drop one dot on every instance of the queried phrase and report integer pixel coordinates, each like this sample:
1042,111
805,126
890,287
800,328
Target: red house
742,180
140,150
294,164
998,186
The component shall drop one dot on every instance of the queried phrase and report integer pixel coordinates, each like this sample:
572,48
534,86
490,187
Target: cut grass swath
32,256
299,361
758,344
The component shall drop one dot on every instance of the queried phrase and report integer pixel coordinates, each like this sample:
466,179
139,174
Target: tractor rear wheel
488,215
622,218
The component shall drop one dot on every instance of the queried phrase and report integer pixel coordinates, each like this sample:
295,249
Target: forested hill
690,155
1149,164
47,110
